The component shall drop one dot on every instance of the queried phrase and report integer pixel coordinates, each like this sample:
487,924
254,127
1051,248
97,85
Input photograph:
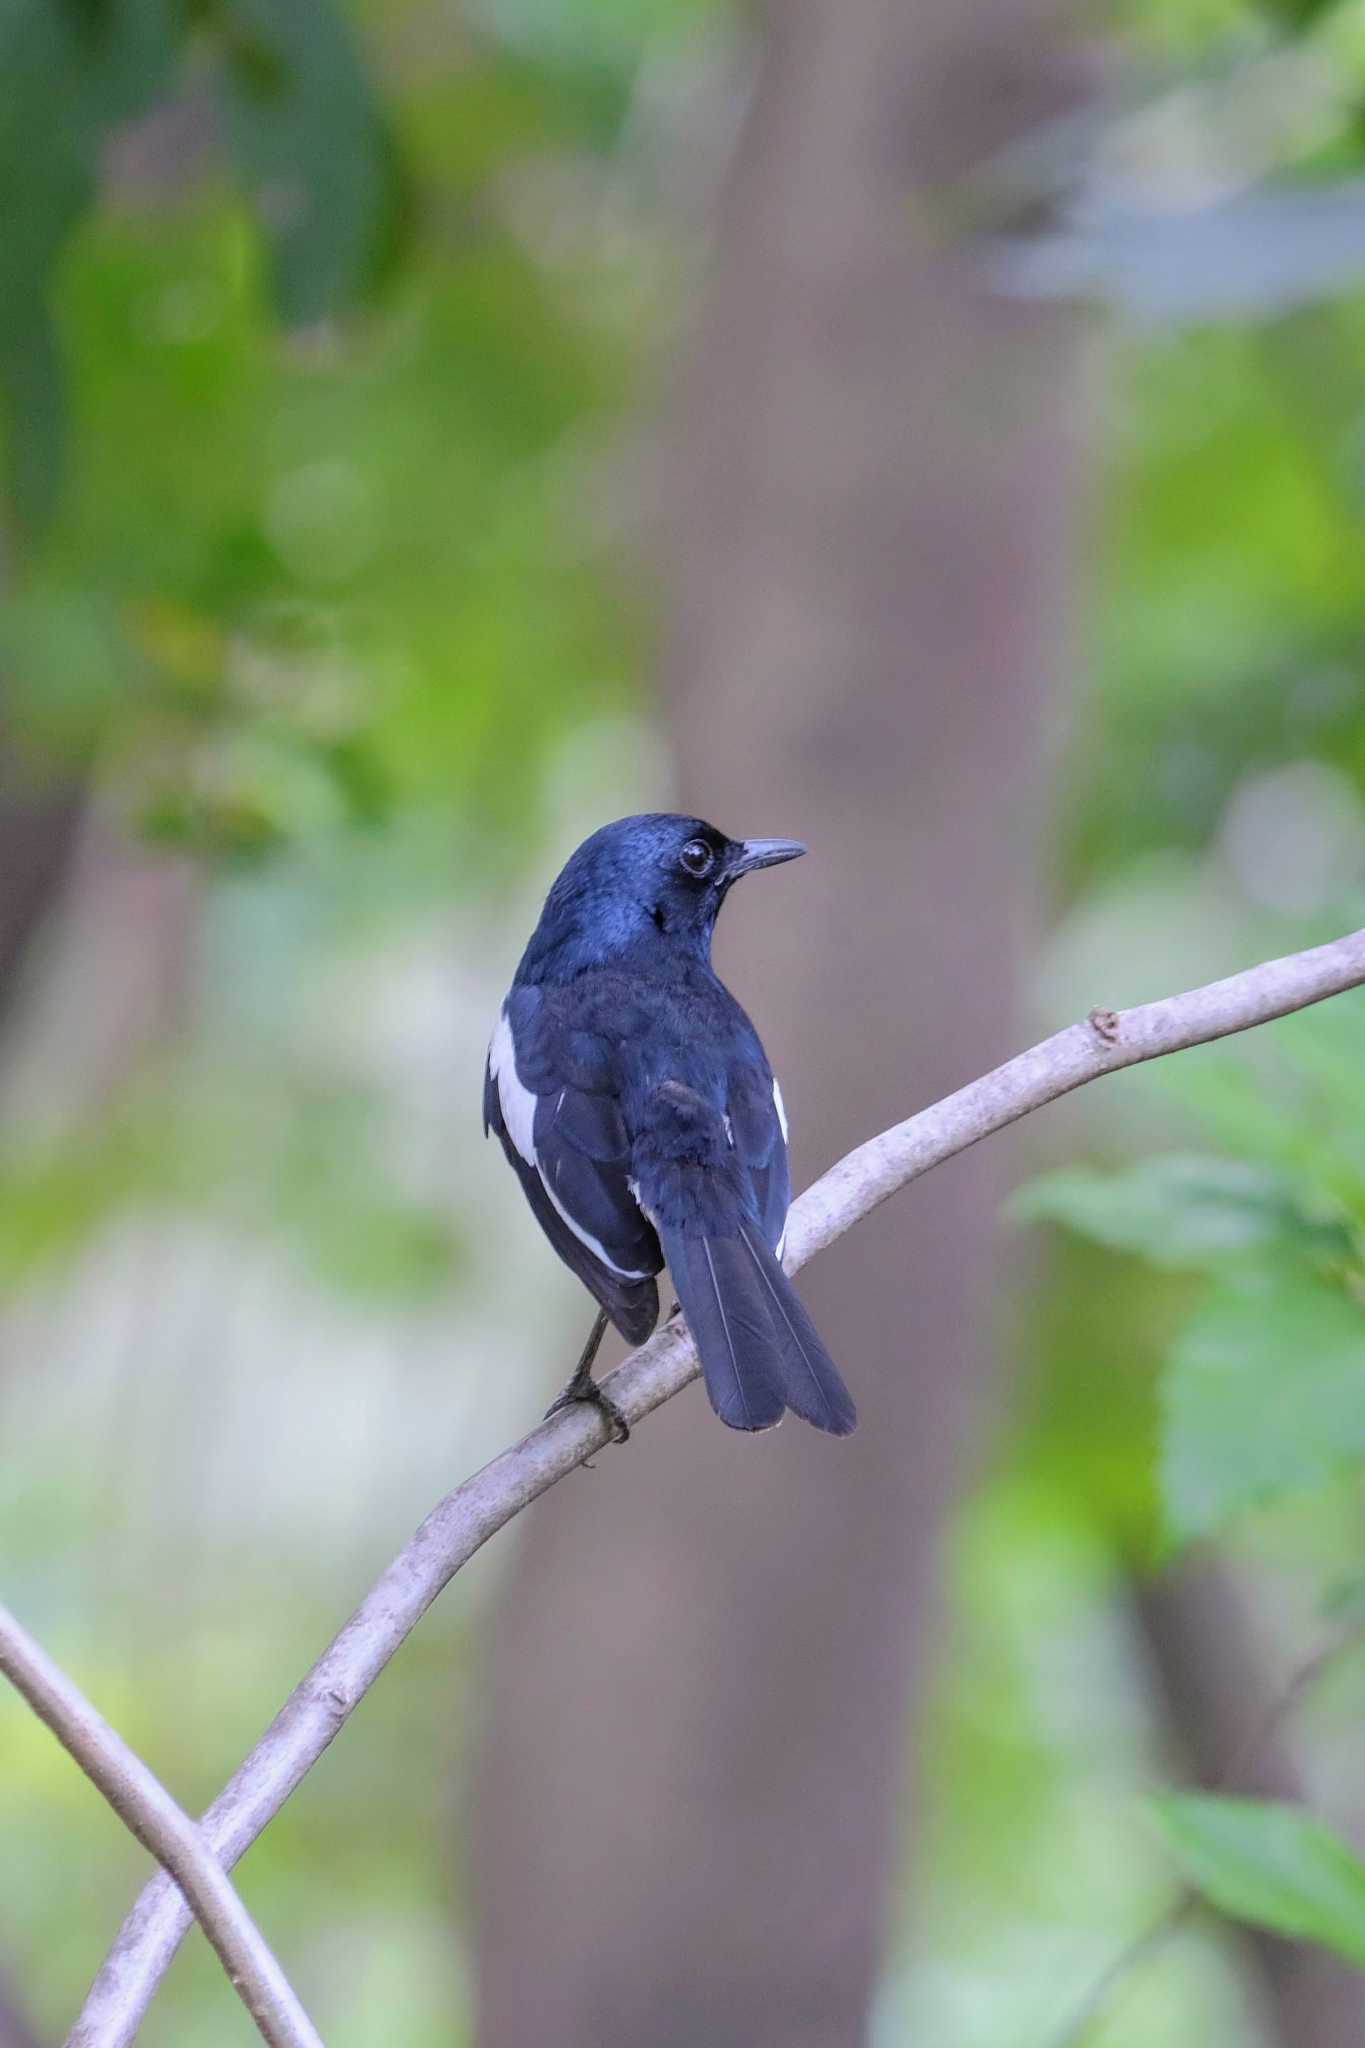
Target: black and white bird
635,1101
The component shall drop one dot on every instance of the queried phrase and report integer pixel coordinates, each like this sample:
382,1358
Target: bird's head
642,882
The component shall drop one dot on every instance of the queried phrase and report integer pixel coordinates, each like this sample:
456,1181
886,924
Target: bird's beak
764,853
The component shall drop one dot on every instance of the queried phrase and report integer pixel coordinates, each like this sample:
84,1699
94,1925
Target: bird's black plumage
635,1101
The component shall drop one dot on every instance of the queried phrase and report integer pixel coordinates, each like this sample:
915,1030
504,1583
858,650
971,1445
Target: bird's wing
549,1093
714,1181
758,1132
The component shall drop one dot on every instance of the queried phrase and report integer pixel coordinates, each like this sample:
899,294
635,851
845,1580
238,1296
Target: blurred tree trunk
37,833
15,2031
693,1777
114,989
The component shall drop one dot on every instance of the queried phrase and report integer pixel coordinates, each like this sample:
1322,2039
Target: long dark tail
760,1353
810,1382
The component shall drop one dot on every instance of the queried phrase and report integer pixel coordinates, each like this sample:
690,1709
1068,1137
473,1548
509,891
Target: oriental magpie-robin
635,1101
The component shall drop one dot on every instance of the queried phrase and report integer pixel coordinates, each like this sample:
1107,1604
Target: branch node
1105,1025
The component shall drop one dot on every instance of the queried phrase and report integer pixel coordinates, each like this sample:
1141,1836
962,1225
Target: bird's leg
583,1387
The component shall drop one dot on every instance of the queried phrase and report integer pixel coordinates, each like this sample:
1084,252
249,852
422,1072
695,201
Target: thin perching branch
463,1522
147,1809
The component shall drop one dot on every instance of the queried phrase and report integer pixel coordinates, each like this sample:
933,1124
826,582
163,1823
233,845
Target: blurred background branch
145,1807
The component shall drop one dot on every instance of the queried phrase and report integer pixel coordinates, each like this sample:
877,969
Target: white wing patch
780,1106
519,1114
518,1103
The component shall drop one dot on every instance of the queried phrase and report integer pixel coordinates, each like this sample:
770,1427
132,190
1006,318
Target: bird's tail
760,1353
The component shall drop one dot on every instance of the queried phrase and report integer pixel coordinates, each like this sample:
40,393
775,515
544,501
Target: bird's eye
697,858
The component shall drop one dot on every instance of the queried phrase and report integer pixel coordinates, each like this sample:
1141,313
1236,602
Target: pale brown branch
1105,1042
147,1809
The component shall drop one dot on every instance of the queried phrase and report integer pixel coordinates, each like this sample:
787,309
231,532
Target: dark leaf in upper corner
311,138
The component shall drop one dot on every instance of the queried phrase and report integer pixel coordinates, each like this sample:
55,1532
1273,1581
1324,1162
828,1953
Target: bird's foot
588,1390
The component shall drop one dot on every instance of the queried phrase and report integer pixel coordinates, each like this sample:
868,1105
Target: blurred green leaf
364,1245
1264,1394
68,71
306,1170
1298,15
313,143
1272,1865
46,181
34,400
1176,1210
1344,1602
127,51
316,149
1293,1102
48,1210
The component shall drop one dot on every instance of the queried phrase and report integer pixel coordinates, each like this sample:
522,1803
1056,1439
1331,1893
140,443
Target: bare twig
144,1806
1095,2003
1107,1041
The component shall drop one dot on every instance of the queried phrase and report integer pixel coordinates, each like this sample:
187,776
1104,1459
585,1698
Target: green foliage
295,1167
1263,1387
1229,624
1263,1394
310,138
1232,638
1272,1865
70,72
315,149
286,591
1179,1210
